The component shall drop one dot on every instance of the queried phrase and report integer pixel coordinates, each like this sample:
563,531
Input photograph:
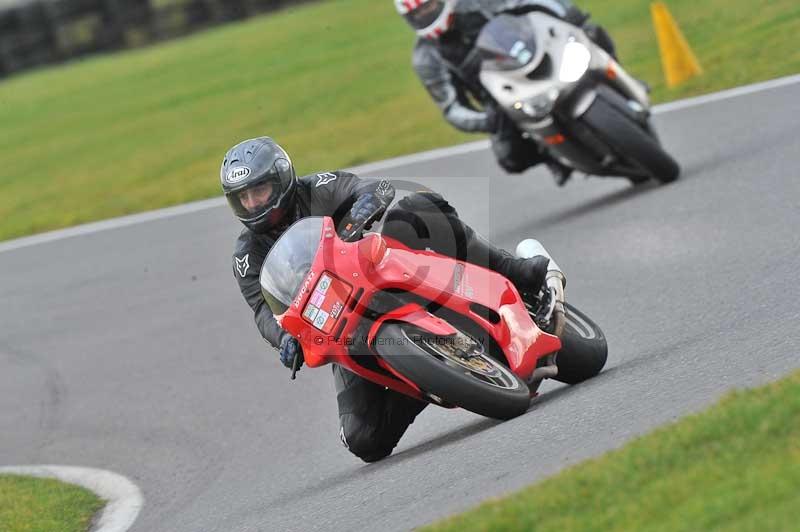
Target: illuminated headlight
575,62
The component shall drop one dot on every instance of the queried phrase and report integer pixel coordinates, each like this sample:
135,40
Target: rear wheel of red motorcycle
583,348
456,369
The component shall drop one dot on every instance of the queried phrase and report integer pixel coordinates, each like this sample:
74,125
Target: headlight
574,62
538,107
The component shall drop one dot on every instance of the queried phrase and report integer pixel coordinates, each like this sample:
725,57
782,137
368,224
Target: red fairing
415,315
458,286
344,271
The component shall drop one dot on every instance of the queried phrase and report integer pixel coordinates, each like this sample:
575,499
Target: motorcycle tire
421,359
584,349
630,141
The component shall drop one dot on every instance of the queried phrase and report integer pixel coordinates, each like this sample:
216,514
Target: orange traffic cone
677,58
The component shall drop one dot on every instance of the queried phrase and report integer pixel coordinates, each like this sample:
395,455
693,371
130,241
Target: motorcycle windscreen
507,43
289,262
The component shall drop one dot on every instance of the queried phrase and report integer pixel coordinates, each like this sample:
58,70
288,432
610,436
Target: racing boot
561,173
595,32
527,274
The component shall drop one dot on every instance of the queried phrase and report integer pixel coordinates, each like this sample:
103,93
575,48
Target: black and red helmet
260,184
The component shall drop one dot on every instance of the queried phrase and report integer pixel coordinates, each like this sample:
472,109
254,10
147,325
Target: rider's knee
601,37
419,218
513,165
362,440
426,201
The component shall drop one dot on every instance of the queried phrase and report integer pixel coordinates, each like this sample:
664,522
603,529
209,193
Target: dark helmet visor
425,15
251,202
260,196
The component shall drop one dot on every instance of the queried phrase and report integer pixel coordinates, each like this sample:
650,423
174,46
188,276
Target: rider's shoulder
323,179
249,241
424,48
426,59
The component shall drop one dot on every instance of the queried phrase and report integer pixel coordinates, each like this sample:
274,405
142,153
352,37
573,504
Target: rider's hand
289,347
367,207
363,213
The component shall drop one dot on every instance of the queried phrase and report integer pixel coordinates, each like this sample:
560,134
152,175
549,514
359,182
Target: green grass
733,467
44,505
332,81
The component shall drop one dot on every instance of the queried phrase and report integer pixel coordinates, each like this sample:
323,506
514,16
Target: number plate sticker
326,302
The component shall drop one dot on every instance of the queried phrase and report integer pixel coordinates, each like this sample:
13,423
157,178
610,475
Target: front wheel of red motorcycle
456,369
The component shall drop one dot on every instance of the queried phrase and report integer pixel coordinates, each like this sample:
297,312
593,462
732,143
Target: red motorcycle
424,324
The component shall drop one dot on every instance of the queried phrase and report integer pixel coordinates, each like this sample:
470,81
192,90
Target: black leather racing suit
449,67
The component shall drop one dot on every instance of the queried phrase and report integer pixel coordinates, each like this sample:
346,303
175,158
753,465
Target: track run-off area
126,346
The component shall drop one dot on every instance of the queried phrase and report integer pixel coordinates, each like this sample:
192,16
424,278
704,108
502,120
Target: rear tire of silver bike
402,346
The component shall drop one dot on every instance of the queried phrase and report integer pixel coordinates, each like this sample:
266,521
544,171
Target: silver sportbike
572,97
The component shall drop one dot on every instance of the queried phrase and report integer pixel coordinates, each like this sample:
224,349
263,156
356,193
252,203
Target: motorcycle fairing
467,289
464,288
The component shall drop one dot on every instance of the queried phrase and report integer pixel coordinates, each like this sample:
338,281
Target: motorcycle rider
446,61
262,189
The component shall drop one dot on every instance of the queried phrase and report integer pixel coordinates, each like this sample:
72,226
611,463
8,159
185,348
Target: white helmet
429,18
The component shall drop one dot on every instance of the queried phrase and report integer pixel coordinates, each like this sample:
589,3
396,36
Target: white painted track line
370,168
726,94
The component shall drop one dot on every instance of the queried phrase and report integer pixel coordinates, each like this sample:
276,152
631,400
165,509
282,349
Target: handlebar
356,232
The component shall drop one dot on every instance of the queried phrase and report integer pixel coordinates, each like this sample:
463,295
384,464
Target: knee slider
512,165
362,442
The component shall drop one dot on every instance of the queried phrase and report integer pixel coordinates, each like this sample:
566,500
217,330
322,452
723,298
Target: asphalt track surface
130,349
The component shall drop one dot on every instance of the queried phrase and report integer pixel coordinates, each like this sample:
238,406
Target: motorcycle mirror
372,249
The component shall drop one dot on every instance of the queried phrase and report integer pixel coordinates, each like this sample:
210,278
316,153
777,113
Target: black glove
363,213
289,347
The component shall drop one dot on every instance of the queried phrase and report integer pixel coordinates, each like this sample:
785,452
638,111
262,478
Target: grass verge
45,505
332,81
733,467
